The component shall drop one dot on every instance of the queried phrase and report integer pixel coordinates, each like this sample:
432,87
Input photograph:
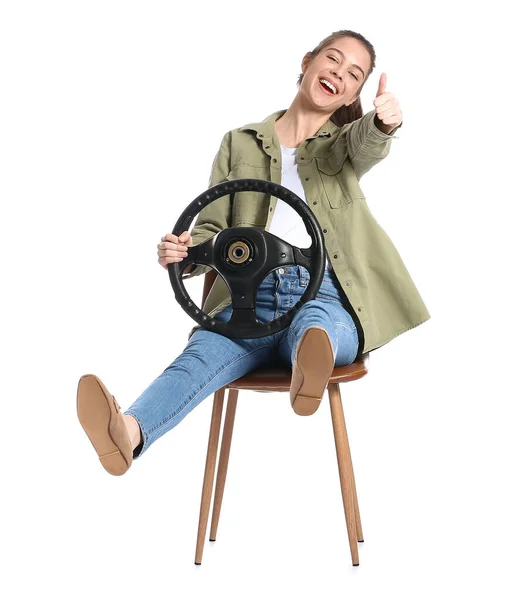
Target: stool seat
278,379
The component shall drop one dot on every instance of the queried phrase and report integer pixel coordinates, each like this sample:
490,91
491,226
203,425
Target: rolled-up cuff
375,132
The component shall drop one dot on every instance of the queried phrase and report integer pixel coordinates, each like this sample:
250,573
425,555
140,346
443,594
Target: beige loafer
311,370
100,416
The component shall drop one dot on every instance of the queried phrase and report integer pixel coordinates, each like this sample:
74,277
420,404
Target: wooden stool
276,380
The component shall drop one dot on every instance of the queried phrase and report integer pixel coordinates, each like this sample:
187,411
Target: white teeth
329,85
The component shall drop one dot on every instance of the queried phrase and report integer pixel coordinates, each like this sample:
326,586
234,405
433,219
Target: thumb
382,85
185,238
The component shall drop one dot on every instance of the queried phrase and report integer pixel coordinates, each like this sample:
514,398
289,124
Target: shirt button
325,230
306,178
281,271
301,158
315,202
267,147
274,160
271,209
335,256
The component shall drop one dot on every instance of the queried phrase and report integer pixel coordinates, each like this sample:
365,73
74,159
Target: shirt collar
265,129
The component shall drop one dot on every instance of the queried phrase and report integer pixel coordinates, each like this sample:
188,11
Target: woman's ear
305,61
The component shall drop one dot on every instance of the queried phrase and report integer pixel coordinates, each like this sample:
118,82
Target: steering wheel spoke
202,253
243,317
205,252
188,260
302,257
279,252
242,291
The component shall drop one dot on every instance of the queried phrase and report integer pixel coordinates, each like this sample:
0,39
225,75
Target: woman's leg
326,311
321,335
331,317
209,362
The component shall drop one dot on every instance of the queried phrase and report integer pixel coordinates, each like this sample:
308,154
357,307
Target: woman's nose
336,73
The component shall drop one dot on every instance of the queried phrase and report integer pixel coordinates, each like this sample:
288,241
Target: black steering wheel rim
243,274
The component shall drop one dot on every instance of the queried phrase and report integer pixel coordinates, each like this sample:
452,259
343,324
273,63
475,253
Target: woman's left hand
388,110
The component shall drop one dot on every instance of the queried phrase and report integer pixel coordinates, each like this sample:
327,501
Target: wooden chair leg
359,530
223,462
345,469
209,473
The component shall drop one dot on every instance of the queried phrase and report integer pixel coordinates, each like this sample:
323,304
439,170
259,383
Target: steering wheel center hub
239,252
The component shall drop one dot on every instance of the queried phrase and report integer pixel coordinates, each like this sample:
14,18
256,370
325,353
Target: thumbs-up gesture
388,110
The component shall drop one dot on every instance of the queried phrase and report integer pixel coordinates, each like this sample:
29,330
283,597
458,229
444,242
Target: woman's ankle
133,430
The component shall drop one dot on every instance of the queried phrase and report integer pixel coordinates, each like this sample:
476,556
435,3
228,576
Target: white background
111,115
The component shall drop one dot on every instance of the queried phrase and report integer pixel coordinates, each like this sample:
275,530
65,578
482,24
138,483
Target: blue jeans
211,361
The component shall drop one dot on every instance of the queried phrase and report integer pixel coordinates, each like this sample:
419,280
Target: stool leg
223,462
209,473
344,467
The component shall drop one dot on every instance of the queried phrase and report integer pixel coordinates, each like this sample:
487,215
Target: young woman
319,148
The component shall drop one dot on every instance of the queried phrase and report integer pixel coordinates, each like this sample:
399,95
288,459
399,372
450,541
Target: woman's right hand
173,249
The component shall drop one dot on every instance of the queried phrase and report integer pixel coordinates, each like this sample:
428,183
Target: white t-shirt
286,222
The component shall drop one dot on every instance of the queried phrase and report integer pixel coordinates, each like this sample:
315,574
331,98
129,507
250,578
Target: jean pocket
329,291
328,297
348,324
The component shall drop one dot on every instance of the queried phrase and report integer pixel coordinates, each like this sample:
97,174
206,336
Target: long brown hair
346,114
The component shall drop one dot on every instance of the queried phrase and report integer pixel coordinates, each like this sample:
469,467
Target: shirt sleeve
367,144
217,215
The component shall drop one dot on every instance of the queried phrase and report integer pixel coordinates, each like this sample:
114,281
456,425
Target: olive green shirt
382,298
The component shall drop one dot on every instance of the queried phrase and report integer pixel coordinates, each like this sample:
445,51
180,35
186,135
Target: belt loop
303,279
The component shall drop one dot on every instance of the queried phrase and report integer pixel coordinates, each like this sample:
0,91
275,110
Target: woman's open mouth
328,87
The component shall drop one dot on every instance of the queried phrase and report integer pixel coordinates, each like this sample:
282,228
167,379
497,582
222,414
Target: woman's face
335,75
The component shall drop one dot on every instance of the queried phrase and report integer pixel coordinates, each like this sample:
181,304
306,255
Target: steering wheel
243,257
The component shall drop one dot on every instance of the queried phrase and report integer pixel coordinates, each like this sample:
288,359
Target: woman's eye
355,76
333,58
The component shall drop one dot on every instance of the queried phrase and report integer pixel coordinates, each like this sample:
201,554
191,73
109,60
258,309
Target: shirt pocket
339,180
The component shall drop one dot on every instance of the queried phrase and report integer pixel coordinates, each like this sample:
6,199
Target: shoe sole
312,370
96,409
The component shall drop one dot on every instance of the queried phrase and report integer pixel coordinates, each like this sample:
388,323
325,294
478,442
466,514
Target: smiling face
334,76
